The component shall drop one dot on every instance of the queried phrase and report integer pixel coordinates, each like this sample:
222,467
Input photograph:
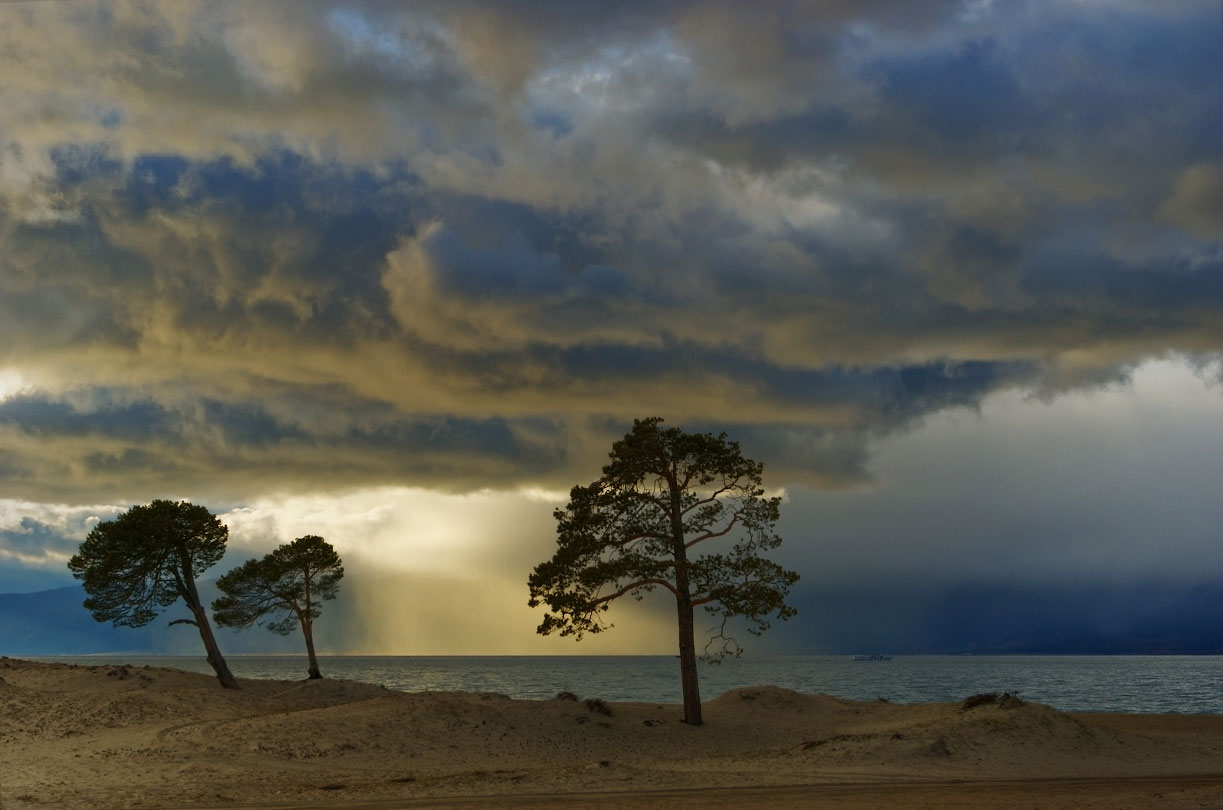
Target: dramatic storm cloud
265,255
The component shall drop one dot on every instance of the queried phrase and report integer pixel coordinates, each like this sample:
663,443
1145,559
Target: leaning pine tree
643,525
147,559
282,591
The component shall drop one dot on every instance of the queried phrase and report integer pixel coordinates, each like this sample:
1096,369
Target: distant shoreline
1143,684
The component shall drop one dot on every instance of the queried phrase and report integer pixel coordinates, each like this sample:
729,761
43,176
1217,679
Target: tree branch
710,535
639,583
726,487
728,645
640,536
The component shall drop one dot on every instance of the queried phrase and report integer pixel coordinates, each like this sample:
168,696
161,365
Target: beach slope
128,737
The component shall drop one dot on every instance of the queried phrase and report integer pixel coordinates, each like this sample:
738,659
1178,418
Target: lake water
1179,684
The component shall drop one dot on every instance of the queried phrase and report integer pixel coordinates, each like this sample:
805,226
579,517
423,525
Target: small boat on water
872,657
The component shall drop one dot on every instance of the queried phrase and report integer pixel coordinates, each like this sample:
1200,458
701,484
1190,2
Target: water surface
1177,684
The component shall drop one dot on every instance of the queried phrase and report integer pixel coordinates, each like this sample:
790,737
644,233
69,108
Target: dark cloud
958,96
992,618
36,541
94,443
1103,486
33,537
44,418
461,245
228,450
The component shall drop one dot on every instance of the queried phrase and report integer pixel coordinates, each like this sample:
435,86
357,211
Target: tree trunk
687,660
683,607
308,632
215,658
192,598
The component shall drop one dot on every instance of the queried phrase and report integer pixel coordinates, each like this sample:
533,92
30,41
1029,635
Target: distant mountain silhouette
55,622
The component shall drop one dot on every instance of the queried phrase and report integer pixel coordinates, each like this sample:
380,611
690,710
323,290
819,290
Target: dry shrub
979,699
597,705
1006,700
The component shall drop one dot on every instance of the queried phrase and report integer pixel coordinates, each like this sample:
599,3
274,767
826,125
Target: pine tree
638,528
145,560
282,591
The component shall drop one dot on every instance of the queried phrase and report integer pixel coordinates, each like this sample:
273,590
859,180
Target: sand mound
84,736
775,698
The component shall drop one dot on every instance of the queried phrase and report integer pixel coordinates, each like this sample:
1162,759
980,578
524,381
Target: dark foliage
282,591
136,565
146,559
638,527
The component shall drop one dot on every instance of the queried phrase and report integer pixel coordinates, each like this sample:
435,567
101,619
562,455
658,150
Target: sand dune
105,736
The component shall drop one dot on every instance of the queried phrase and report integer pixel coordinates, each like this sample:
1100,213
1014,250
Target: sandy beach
107,736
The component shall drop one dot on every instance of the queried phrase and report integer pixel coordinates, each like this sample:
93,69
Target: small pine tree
281,591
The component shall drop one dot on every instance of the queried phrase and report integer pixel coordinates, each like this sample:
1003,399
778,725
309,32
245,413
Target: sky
399,274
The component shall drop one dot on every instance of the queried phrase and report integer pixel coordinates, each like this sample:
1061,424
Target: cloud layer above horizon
289,258
295,246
